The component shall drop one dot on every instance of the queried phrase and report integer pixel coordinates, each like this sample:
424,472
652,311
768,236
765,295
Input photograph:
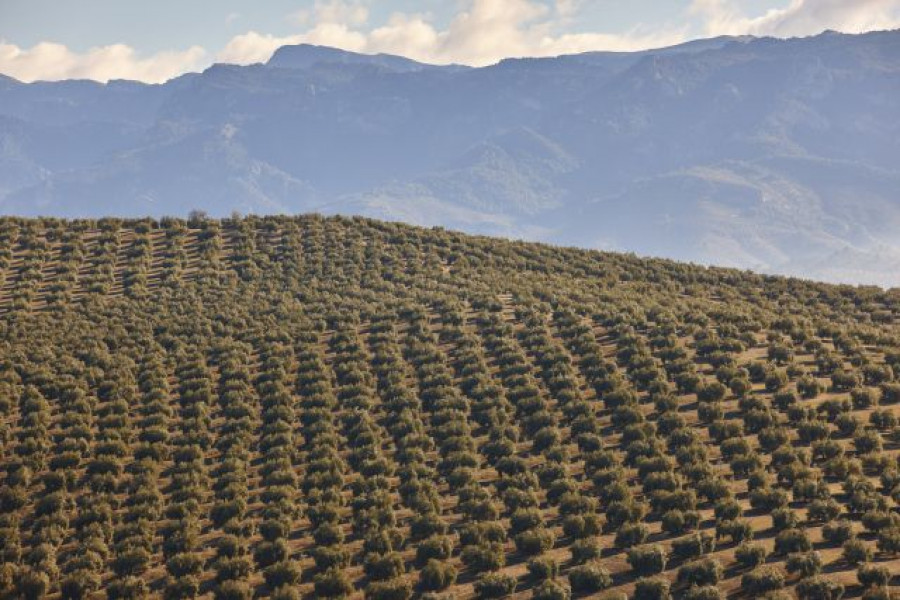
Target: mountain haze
776,155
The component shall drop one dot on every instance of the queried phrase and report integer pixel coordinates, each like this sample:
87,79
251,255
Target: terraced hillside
285,407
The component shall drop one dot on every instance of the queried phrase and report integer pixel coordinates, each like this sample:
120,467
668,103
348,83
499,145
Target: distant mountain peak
305,56
7,82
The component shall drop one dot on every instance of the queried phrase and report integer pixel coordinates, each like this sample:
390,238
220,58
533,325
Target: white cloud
799,17
50,61
484,32
253,47
329,23
407,35
634,39
337,35
495,29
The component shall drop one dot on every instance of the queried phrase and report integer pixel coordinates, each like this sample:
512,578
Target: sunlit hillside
332,407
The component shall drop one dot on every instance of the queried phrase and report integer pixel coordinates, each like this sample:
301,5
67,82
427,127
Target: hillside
759,153
336,407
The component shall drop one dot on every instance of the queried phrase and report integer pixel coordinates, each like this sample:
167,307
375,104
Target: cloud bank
482,32
799,17
50,61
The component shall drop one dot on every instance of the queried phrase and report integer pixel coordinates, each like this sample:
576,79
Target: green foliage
395,589
703,572
647,560
806,564
534,541
631,534
762,580
706,592
873,576
232,590
792,540
281,573
652,589
31,584
856,551
837,532
332,583
489,557
551,590
585,550
542,568
436,576
750,555
693,546
380,567
495,585
819,588
589,578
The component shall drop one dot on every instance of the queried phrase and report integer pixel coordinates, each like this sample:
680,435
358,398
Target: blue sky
167,24
153,41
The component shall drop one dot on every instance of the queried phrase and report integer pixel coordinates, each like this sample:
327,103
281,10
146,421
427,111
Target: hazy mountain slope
764,153
214,171
823,218
305,56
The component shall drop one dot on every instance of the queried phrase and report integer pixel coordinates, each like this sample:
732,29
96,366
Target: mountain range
770,154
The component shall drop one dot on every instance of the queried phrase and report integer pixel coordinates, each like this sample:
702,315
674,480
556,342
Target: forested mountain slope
776,155
343,407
